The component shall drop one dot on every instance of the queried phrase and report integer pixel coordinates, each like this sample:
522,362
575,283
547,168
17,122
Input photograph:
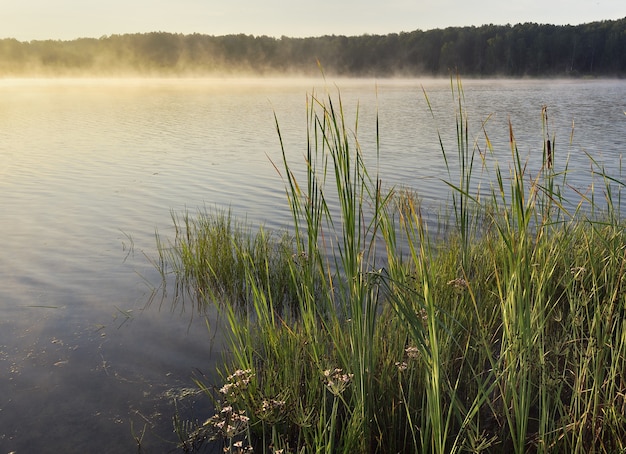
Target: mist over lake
90,169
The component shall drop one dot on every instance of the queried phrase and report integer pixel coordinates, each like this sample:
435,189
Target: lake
90,355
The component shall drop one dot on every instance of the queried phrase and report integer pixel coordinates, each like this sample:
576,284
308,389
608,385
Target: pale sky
28,20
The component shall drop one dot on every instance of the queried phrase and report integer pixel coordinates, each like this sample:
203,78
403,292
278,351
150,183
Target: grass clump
212,254
506,334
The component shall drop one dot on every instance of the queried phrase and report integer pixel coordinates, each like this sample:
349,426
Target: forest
595,49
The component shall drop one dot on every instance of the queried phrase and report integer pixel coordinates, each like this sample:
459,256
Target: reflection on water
89,170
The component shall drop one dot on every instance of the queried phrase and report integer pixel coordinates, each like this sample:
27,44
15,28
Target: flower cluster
239,448
410,354
271,410
269,405
228,422
239,380
422,314
336,381
402,365
459,284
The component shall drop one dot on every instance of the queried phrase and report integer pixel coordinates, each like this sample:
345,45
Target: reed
505,334
212,253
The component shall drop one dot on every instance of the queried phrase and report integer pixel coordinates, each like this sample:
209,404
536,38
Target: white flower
337,381
412,352
459,283
402,366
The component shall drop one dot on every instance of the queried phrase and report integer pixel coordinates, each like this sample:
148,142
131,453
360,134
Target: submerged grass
507,334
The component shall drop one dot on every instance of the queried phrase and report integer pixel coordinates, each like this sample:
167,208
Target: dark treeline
593,49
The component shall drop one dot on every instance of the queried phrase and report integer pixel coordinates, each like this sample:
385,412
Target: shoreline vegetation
363,331
595,49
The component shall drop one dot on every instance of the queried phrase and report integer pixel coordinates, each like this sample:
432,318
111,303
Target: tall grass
505,335
212,254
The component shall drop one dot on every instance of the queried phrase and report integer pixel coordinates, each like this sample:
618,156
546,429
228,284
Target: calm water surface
89,169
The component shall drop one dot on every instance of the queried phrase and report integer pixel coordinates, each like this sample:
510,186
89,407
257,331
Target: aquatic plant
212,253
506,334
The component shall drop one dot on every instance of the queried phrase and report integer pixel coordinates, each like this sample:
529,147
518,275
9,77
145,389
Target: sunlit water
90,169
